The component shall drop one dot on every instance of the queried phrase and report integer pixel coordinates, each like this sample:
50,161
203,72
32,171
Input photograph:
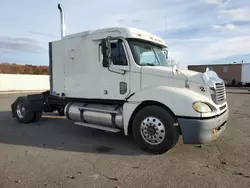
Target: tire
22,111
154,130
37,116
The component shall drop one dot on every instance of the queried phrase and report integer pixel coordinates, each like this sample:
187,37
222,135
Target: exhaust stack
62,21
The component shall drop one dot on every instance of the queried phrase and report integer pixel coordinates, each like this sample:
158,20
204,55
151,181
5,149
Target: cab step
110,129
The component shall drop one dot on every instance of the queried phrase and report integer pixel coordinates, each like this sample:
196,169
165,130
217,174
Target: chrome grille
220,92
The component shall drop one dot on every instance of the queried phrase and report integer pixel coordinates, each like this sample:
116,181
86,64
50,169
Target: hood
192,76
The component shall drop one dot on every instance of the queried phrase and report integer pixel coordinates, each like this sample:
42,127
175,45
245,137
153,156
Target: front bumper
201,131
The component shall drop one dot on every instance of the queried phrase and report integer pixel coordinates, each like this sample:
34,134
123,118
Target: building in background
232,74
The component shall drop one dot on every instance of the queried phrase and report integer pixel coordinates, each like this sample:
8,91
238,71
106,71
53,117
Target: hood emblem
202,89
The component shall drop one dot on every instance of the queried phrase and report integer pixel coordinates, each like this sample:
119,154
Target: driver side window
118,55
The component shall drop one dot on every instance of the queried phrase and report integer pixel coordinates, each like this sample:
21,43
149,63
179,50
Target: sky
196,31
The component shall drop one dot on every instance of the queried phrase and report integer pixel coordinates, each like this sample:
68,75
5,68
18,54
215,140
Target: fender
178,100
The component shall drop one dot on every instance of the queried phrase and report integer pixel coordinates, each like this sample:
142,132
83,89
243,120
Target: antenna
165,19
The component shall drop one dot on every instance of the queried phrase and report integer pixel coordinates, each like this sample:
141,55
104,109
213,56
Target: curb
26,91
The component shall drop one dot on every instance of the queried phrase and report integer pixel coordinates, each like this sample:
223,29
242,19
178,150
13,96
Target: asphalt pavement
56,153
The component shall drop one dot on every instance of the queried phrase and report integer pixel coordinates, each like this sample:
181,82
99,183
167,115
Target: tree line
12,68
8,68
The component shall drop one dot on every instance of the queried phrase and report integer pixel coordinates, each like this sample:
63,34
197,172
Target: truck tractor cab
118,79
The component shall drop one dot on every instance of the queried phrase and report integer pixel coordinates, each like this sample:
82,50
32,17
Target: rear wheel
37,116
154,130
22,111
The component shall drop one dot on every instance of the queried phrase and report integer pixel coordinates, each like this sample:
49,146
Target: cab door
115,79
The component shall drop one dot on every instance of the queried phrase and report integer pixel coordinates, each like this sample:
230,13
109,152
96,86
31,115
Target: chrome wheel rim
20,110
152,130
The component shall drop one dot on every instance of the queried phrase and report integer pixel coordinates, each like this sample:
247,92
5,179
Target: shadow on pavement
58,133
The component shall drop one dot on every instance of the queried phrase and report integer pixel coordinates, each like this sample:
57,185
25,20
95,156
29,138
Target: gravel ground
56,153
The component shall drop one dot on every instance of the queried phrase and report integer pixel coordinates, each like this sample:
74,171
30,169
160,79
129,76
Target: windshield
146,53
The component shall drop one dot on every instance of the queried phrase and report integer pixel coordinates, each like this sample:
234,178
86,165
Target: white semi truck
118,79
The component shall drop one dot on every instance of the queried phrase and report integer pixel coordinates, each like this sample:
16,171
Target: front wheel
154,129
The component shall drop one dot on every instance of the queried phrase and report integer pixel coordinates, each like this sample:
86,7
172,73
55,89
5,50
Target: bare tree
7,68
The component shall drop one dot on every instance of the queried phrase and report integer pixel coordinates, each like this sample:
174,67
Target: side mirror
104,48
105,45
165,51
105,62
166,54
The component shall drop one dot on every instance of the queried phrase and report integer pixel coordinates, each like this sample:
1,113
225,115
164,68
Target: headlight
201,107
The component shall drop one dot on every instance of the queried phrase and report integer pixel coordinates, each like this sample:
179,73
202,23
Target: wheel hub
20,110
152,130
